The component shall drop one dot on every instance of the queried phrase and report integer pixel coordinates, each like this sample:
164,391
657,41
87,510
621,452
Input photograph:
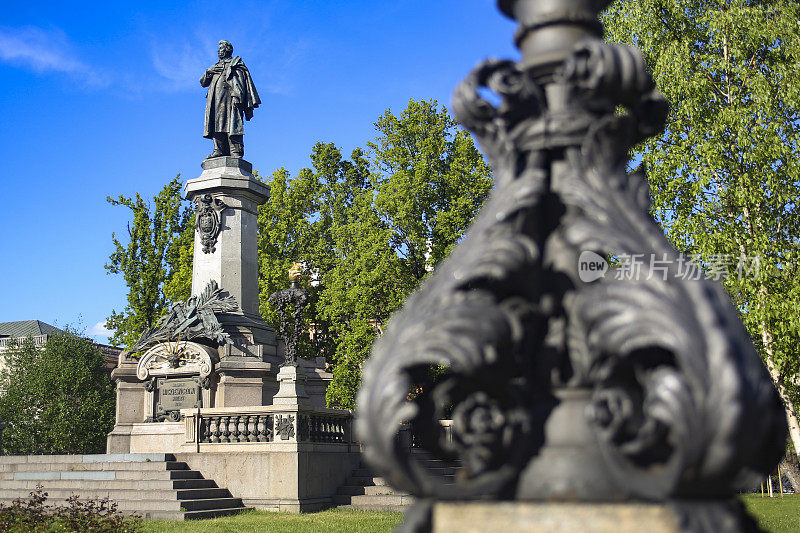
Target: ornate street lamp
563,386
290,328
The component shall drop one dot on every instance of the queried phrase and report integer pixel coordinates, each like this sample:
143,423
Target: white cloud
100,330
45,50
181,65
273,65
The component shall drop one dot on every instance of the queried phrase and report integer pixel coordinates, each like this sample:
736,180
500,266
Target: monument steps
353,490
366,481
103,466
366,473
365,491
93,484
154,486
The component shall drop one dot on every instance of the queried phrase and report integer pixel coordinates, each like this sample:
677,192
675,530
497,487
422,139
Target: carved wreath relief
207,220
662,375
284,426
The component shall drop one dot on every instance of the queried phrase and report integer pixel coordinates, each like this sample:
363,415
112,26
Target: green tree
370,228
178,286
156,262
429,179
725,175
299,223
58,399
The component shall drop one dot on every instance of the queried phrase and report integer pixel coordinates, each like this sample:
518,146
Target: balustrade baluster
242,428
202,430
234,432
252,436
214,428
224,433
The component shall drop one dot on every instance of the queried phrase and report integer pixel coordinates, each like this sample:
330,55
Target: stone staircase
365,491
153,486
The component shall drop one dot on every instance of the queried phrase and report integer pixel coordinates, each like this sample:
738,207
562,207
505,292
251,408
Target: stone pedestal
292,387
130,407
228,254
233,257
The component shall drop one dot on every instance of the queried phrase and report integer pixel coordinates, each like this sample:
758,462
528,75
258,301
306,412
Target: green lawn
334,520
776,515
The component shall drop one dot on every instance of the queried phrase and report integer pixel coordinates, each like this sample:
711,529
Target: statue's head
225,49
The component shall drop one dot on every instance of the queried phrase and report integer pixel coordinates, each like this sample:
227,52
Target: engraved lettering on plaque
177,394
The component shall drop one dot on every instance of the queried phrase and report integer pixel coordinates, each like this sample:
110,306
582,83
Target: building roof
27,328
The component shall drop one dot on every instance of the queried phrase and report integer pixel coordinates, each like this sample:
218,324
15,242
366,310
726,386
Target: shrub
90,516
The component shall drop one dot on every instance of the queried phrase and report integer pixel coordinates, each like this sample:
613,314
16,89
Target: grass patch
778,514
338,520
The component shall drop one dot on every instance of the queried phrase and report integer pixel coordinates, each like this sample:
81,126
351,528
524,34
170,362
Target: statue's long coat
230,95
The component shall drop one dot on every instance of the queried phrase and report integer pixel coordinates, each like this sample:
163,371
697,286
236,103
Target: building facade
39,332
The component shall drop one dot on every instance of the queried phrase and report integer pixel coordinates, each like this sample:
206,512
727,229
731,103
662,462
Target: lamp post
289,329
567,380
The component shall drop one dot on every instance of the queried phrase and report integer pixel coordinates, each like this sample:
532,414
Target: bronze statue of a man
231,96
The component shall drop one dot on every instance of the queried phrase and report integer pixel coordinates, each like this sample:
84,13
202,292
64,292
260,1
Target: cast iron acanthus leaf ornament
207,220
646,387
193,319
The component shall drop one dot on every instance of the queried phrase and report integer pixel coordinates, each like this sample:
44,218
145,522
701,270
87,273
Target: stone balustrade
243,428
215,428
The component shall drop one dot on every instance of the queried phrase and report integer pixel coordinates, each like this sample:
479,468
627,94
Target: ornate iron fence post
562,386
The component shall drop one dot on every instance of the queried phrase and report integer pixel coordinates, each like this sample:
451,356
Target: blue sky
102,99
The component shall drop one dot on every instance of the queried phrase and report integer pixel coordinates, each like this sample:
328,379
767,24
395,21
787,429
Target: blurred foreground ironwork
641,388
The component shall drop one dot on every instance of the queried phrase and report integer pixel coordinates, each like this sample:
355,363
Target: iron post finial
548,29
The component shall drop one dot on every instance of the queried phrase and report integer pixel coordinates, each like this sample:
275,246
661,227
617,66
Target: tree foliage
58,399
156,262
369,229
725,175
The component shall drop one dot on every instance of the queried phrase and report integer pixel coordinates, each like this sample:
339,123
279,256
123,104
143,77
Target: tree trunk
792,474
791,415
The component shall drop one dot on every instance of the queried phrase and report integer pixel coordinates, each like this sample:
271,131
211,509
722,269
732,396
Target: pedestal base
292,388
694,516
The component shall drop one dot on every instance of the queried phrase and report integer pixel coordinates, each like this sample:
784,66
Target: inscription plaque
177,394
